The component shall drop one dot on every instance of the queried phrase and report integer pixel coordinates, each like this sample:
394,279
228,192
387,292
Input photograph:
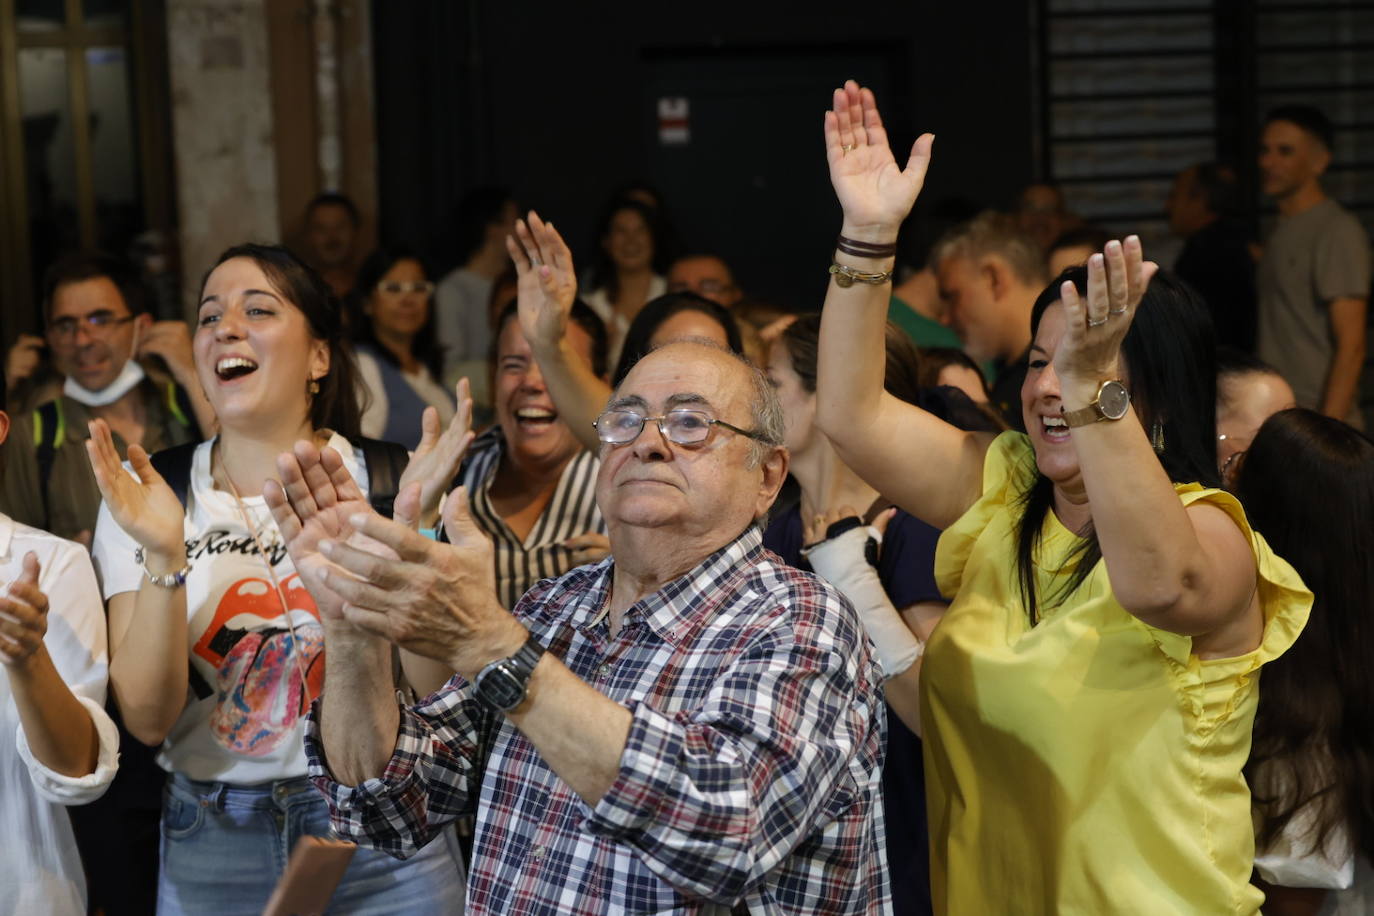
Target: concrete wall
222,130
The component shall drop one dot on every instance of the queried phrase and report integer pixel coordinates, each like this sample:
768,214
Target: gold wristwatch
1111,403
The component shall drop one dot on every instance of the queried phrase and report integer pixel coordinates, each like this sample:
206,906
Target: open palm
875,194
547,279
313,503
145,507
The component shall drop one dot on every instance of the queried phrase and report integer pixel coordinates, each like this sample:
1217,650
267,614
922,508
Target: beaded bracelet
166,580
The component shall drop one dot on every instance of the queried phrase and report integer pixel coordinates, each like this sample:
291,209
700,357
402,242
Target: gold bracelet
846,276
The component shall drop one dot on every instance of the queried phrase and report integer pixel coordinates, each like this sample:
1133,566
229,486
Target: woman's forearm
1161,570
577,392
58,728
875,434
148,655
849,383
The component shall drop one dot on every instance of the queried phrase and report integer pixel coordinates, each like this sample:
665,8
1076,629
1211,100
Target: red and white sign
674,128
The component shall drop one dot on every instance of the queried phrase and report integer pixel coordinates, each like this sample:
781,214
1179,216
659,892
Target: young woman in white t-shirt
216,648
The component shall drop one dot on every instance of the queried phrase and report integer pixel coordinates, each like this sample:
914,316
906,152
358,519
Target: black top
1216,262
1006,391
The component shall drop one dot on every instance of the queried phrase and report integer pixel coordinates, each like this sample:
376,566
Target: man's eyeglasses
396,287
97,323
684,426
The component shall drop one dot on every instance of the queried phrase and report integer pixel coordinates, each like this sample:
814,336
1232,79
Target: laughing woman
210,583
1088,697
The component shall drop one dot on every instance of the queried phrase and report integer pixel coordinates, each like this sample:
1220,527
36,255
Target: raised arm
148,672
931,469
1190,571
59,730
548,288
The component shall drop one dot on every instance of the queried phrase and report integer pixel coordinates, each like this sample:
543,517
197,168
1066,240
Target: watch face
1113,400
501,688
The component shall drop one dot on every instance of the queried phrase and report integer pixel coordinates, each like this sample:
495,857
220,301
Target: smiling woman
212,575
1087,699
399,356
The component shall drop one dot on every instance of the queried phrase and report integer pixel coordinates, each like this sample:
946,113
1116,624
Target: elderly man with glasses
99,338
688,726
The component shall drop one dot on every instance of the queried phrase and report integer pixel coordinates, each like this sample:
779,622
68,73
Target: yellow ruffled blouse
1090,763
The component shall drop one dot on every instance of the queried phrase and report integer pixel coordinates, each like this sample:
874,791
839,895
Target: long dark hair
659,310
903,370
1307,484
336,405
424,346
604,274
1170,360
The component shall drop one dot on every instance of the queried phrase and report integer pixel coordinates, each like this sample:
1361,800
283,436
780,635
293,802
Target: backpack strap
174,464
386,462
49,433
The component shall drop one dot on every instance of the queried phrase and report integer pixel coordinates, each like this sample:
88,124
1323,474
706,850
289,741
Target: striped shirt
571,511
751,779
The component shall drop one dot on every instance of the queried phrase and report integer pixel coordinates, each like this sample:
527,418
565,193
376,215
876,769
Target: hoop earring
1157,437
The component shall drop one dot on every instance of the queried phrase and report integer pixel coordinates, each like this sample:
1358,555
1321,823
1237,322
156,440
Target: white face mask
128,377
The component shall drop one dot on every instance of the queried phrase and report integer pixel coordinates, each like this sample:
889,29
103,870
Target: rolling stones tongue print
259,697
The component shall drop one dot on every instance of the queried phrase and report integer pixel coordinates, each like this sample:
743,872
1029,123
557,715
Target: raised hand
146,508
434,463
171,342
875,194
23,616
23,359
436,600
313,503
1090,351
547,280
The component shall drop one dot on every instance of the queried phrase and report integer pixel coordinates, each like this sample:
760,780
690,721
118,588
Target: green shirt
924,332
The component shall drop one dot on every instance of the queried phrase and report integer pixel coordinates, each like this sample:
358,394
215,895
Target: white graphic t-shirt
246,703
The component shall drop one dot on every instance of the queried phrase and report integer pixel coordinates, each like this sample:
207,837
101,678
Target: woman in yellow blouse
1087,699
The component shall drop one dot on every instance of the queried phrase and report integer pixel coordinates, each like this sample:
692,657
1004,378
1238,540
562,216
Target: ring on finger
1121,311
535,262
845,149
1098,323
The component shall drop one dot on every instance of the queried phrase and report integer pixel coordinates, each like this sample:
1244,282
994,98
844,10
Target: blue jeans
225,847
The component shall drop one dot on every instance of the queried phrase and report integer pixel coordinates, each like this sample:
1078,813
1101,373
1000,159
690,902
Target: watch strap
1084,415
1094,412
517,668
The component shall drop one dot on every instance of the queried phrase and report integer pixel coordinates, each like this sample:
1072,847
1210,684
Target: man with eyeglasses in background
101,341
137,374
708,276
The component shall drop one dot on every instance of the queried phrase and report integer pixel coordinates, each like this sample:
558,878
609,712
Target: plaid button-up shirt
751,777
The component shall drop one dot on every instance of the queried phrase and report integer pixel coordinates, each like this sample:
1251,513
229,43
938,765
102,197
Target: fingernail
326,547
357,519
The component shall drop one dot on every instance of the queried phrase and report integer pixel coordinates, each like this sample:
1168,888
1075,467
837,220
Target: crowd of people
543,585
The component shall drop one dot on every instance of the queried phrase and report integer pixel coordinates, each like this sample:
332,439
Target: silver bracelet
166,580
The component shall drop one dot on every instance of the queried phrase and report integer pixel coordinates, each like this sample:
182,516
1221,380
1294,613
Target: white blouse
40,870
